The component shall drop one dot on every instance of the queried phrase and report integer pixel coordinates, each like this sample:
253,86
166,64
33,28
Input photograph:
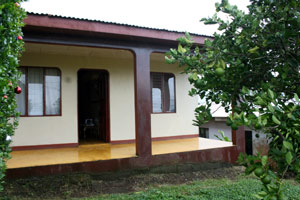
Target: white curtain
171,95
35,91
21,97
52,80
156,100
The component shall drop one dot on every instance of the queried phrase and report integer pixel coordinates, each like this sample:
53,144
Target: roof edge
70,23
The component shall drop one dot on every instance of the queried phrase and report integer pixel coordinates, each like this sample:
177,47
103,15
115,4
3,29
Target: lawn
186,181
213,189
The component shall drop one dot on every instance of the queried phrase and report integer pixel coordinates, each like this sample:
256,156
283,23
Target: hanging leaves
11,46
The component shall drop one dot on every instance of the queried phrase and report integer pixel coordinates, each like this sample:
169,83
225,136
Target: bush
11,46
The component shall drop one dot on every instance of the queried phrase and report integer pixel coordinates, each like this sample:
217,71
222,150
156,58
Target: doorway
93,106
249,143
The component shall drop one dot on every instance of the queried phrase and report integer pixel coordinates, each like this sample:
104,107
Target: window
204,132
163,92
41,92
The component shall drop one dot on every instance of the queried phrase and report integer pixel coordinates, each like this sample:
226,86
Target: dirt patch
85,185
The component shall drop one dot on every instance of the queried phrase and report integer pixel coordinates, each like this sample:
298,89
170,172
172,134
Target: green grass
214,189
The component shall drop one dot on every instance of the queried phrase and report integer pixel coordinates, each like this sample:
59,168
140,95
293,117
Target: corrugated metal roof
114,23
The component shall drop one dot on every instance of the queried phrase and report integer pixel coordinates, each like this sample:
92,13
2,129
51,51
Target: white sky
178,15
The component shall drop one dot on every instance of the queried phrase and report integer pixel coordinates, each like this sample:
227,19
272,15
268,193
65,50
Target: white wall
179,123
63,129
120,66
259,144
215,126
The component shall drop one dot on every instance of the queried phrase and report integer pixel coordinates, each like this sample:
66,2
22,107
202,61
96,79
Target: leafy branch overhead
251,67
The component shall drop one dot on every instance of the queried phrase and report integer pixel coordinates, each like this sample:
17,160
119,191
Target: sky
176,15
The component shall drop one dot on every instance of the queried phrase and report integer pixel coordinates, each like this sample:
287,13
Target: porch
105,151
72,45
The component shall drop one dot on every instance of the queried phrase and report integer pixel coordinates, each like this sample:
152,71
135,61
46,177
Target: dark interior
248,138
93,106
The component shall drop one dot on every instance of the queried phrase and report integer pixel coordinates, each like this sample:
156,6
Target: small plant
272,184
222,136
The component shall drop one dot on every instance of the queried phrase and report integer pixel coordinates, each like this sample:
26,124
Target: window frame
44,92
163,93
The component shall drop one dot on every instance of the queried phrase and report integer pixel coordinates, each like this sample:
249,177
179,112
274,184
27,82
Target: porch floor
94,152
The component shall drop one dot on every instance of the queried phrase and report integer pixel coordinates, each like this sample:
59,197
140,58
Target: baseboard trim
156,139
44,146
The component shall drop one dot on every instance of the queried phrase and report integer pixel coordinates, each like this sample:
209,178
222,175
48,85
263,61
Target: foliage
215,189
11,44
222,136
252,68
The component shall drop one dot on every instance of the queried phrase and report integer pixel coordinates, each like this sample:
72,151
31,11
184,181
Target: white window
41,92
163,92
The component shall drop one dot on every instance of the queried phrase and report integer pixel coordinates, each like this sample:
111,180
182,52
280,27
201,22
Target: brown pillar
142,102
238,139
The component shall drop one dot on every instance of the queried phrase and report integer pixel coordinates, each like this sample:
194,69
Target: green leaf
245,90
297,98
270,108
289,157
253,50
271,94
208,22
223,65
275,120
181,49
288,145
264,160
169,60
195,76
211,64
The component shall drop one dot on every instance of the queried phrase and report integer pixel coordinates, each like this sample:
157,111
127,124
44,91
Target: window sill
163,112
40,115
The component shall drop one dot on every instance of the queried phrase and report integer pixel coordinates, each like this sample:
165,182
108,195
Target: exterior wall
120,66
179,123
215,126
64,129
259,144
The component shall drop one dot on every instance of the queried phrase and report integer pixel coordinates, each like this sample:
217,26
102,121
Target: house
94,83
255,141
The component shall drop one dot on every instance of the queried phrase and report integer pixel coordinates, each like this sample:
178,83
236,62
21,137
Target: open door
93,106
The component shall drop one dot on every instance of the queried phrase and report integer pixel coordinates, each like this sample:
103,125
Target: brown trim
233,136
122,141
108,138
105,28
26,95
226,154
44,92
163,92
157,139
107,90
44,146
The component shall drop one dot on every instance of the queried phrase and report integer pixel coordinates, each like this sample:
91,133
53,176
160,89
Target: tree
252,67
11,45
